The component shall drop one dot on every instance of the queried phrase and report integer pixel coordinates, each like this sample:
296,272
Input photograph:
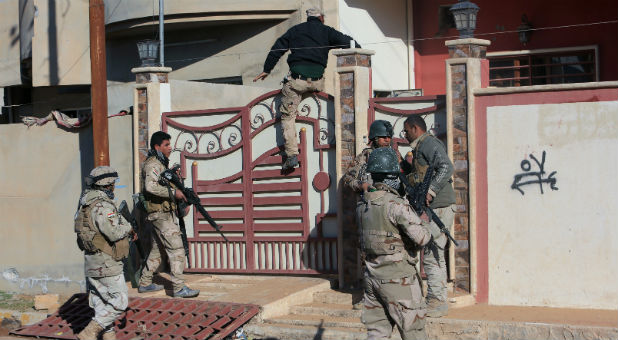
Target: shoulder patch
111,215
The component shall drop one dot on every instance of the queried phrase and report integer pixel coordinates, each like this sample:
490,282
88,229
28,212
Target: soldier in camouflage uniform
160,205
391,233
429,151
357,178
103,235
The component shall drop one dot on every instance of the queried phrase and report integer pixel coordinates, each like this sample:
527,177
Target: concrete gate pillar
151,98
352,93
466,69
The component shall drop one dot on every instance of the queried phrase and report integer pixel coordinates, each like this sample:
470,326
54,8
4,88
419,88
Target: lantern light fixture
464,13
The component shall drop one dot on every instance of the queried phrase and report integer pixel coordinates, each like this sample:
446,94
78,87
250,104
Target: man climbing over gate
309,44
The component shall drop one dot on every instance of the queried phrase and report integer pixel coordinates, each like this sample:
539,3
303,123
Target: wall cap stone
350,51
468,41
545,88
151,69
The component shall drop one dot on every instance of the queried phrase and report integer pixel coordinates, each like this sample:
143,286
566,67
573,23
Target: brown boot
91,331
109,335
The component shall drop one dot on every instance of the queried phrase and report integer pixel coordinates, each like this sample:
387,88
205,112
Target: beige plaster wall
382,26
201,43
558,248
120,10
188,95
60,46
9,43
43,169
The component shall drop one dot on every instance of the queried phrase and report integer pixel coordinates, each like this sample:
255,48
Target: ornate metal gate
276,222
396,110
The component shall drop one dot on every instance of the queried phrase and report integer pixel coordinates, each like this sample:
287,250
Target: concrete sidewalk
304,308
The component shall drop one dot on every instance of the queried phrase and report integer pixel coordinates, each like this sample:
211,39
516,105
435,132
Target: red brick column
352,93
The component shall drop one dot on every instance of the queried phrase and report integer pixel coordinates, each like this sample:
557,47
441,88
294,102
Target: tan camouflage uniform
355,176
167,238
393,294
108,294
293,90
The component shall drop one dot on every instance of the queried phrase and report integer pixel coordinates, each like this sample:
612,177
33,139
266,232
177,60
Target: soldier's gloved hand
424,217
179,195
133,235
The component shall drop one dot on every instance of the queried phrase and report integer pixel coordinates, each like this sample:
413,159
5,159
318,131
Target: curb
282,306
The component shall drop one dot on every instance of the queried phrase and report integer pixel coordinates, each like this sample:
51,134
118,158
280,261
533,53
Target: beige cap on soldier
314,12
103,175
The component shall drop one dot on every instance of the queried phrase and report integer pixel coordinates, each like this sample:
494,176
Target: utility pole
161,37
98,88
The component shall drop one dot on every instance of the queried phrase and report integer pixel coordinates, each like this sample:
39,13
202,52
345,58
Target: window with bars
543,68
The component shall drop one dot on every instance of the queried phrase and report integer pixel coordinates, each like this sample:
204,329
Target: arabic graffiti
534,177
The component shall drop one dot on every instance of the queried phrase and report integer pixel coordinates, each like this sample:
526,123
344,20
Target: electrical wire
397,41
364,44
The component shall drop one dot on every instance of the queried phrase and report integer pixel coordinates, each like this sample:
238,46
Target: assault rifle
417,196
171,176
134,274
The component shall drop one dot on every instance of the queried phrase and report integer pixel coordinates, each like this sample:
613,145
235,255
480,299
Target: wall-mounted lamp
524,30
464,13
148,52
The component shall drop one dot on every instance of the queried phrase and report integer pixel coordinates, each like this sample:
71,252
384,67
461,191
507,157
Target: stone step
316,320
272,331
326,309
342,298
222,285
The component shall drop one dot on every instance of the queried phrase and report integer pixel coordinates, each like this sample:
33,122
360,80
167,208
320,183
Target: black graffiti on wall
534,177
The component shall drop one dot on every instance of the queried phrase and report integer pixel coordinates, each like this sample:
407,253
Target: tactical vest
153,203
379,236
90,239
419,164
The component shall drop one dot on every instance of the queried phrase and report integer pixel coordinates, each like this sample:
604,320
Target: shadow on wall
191,44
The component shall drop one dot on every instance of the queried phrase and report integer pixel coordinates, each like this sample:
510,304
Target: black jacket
309,43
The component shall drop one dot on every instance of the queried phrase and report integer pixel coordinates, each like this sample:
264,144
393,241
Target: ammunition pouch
381,242
154,203
418,175
117,250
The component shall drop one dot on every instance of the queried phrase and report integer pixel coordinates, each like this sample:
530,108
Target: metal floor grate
149,318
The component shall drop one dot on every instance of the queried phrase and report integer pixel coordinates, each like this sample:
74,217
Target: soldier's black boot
186,292
290,163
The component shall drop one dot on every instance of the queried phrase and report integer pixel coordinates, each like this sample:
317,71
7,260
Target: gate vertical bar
247,182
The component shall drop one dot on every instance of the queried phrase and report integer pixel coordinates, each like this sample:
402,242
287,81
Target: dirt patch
17,302
583,317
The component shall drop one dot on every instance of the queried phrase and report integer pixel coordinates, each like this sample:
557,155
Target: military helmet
380,128
383,161
102,176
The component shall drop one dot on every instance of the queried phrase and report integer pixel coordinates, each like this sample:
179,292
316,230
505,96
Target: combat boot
290,163
436,308
91,331
153,287
109,335
186,292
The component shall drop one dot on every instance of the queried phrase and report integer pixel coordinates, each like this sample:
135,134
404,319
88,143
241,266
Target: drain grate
149,318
